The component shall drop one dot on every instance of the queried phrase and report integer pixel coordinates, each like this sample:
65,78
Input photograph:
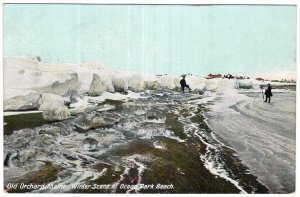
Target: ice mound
47,100
92,78
241,85
97,86
134,81
21,103
27,78
54,113
168,81
27,73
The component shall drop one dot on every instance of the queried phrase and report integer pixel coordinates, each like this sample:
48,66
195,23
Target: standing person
268,93
183,84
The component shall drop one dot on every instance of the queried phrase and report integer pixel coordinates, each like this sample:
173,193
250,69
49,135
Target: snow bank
97,86
92,78
23,75
251,127
135,82
27,76
86,73
22,103
197,84
168,81
48,100
56,113
120,81
150,81
241,85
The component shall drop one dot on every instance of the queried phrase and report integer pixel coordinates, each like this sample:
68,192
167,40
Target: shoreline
248,125
190,130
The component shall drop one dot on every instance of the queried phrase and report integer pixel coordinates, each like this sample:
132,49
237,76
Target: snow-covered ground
264,134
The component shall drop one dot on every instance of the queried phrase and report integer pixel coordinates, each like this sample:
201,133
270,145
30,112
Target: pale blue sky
171,39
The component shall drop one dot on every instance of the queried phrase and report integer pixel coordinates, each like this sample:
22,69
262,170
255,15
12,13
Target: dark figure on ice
268,93
183,84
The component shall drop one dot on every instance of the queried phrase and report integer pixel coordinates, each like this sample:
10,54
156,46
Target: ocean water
263,134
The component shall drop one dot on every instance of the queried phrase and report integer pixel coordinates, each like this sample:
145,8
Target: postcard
149,98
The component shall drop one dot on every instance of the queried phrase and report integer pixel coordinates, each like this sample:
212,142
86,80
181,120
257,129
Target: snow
20,103
98,86
120,81
9,93
168,81
242,121
135,82
54,113
36,76
87,101
47,100
24,75
263,134
32,73
196,82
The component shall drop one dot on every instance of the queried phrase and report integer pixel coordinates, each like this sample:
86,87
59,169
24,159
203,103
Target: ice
39,77
26,73
263,134
168,81
196,82
135,82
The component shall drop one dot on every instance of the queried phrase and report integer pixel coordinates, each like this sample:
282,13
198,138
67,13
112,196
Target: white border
223,2
241,2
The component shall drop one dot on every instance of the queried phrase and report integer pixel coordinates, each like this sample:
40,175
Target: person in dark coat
268,93
183,84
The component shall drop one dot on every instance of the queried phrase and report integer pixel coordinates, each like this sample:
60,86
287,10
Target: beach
221,142
89,128
263,134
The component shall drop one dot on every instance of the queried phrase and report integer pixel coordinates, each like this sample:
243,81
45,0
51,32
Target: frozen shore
263,134
99,125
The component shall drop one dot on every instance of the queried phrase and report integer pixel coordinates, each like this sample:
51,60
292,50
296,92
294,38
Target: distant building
284,81
229,76
259,79
242,77
275,80
212,76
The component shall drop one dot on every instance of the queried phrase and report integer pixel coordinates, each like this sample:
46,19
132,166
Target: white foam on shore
219,171
159,145
211,162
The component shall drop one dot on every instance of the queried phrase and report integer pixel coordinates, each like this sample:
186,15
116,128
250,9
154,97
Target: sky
173,39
